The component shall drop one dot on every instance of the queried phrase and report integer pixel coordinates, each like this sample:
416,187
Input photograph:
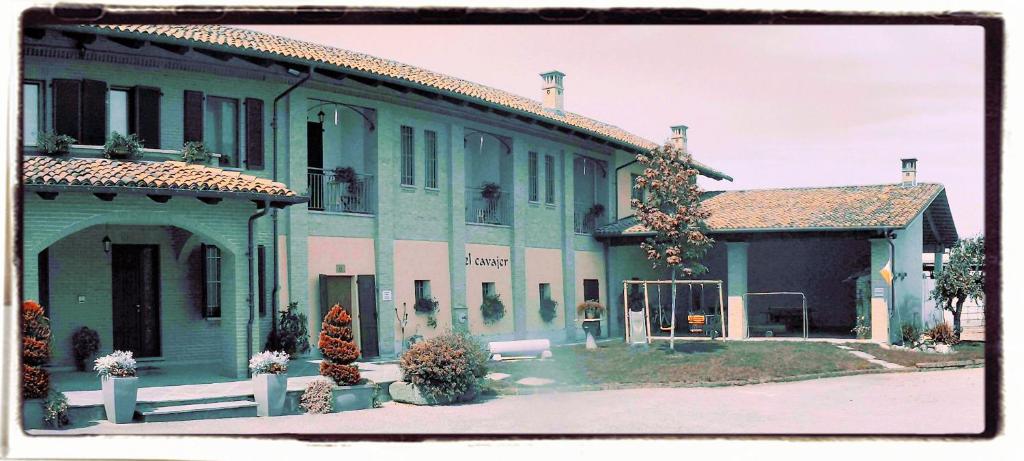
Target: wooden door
367,315
136,299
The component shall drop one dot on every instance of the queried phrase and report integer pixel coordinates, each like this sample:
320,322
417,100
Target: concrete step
190,412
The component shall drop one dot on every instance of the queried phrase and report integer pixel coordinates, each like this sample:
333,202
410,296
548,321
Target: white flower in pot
120,385
269,382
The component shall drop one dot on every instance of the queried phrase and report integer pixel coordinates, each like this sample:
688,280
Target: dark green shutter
67,107
94,113
254,133
145,117
193,113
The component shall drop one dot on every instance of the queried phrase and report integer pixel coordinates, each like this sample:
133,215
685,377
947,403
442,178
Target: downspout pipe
889,237
250,253
276,250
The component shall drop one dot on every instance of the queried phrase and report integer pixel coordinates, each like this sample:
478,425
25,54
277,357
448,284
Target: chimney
679,137
909,171
553,89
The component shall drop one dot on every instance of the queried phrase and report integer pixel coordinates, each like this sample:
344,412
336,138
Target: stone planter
355,397
269,391
119,396
32,414
405,392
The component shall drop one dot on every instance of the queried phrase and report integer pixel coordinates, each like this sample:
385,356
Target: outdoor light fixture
335,115
106,244
320,116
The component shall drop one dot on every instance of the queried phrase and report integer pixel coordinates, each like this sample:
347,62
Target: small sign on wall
878,292
339,268
385,295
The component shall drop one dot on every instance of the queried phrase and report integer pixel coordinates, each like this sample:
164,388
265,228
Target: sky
772,106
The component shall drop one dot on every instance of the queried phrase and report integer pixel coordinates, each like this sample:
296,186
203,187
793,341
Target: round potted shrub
84,342
122,147
35,352
119,384
441,370
269,382
492,308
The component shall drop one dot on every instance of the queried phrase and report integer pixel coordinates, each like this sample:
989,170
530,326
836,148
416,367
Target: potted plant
492,308
35,352
490,191
340,352
119,384
548,309
85,342
596,211
54,144
194,152
269,382
591,311
122,147
346,175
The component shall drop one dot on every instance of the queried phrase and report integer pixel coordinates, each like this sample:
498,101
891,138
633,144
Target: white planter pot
270,391
119,397
354,397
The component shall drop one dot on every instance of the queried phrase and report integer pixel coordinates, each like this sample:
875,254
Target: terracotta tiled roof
286,47
172,175
825,208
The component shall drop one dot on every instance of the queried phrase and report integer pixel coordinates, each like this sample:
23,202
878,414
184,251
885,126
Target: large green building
383,184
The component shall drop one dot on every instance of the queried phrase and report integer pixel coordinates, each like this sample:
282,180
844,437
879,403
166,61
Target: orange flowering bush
337,347
35,351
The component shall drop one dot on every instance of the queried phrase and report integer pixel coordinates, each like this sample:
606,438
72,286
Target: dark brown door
136,299
367,315
592,291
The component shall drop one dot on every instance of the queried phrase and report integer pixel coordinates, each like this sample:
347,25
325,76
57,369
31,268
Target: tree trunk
672,333
956,317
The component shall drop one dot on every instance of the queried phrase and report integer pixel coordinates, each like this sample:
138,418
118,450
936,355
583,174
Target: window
422,289
117,111
488,289
221,129
634,193
545,291
534,173
30,115
211,281
549,179
408,171
430,144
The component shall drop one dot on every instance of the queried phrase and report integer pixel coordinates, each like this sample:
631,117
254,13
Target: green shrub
84,342
943,333
291,335
445,366
548,309
194,152
55,410
492,308
425,305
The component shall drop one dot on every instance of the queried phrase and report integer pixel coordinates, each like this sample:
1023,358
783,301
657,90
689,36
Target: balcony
587,216
494,210
329,192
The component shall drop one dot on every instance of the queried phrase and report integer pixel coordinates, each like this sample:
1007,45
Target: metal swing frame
646,310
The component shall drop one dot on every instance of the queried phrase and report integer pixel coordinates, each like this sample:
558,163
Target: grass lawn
966,350
693,362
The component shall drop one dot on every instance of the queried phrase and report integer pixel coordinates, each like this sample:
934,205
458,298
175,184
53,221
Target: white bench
522,348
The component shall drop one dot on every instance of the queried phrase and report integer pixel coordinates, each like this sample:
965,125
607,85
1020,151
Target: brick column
388,153
568,248
520,198
457,228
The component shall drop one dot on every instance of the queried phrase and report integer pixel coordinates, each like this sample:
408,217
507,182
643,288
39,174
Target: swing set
701,318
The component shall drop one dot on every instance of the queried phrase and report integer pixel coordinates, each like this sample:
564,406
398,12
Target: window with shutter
254,133
193,113
94,112
67,107
146,115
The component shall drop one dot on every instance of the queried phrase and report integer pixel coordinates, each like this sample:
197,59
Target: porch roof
49,174
822,209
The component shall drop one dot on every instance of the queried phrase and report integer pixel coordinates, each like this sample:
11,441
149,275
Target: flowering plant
119,364
590,309
269,363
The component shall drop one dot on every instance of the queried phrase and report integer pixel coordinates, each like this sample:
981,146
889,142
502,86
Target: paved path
900,403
